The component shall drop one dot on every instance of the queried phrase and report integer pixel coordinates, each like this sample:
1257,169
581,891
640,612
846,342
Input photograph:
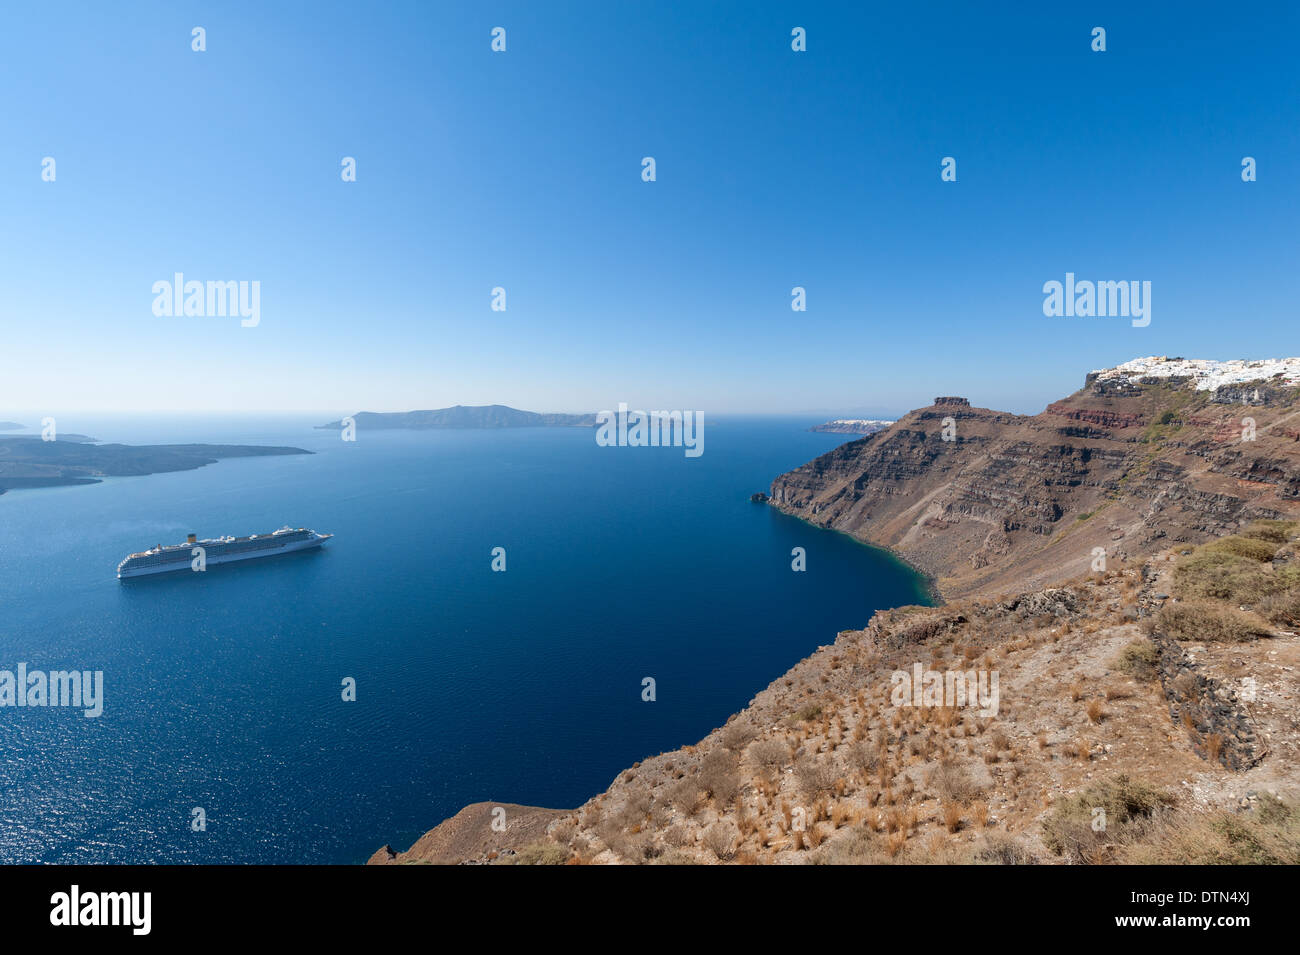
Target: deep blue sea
223,689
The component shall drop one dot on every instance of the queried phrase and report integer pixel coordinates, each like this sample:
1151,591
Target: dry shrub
816,776
686,794
718,777
537,853
1071,829
1274,532
674,857
770,755
1138,660
1282,609
721,839
807,713
564,830
1232,569
1004,850
952,783
738,734
1269,835
1208,621
1096,712
815,836
1253,548
676,836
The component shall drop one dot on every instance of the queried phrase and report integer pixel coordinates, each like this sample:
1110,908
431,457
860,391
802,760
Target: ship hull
180,566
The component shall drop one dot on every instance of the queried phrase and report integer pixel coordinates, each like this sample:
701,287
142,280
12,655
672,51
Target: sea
227,734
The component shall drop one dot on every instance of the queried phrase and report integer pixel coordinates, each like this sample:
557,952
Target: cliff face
982,500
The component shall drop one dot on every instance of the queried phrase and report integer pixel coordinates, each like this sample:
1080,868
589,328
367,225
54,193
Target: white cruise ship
218,550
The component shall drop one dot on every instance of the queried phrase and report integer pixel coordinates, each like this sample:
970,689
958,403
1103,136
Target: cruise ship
219,550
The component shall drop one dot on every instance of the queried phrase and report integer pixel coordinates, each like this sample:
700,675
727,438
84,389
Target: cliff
1122,572
985,501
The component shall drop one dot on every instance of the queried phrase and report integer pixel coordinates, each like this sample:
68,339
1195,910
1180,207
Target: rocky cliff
984,500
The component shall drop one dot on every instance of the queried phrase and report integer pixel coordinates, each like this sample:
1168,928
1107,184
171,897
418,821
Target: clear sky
522,169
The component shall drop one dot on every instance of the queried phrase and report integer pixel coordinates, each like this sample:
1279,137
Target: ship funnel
190,538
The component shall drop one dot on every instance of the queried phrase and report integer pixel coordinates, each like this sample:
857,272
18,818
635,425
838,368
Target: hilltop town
1205,374
852,426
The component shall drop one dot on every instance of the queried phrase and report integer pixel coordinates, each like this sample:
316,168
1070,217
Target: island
11,426
462,416
852,426
29,462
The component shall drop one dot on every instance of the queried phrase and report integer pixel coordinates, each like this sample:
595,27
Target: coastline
929,584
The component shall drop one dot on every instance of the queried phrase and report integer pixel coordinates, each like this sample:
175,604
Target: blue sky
523,170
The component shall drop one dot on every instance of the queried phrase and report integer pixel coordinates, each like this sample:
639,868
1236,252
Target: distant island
462,416
29,462
11,426
852,426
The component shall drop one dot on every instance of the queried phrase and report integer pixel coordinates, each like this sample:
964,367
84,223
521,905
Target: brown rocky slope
1016,500
1121,564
